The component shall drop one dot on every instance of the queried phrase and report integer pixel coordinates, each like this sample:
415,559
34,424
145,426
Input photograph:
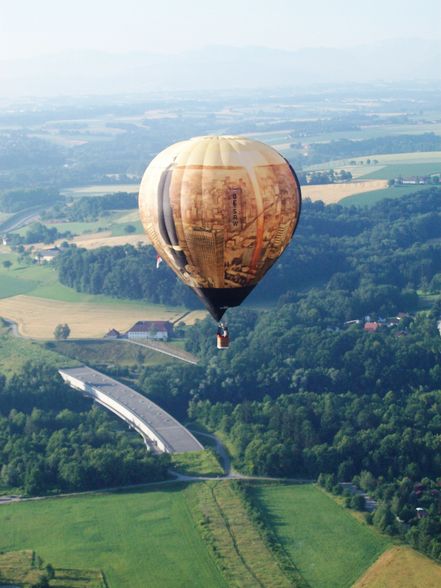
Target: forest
16,200
53,440
122,272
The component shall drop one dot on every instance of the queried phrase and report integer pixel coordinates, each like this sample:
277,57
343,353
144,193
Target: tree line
123,272
16,200
91,208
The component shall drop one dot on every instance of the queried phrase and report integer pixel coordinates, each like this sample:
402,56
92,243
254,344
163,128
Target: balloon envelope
220,210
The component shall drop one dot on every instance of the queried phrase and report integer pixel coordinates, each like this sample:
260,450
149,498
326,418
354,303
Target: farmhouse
158,330
47,254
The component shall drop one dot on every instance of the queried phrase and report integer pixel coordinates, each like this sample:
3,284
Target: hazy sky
34,27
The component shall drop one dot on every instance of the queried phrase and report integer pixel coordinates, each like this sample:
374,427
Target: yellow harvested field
195,315
101,240
93,241
333,193
102,189
38,317
359,170
401,567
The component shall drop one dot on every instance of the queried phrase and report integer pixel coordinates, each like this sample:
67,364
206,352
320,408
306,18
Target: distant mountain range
218,67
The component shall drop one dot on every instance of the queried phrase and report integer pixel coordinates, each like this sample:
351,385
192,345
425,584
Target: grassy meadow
282,139
327,545
197,463
15,352
110,353
389,172
113,224
370,198
383,159
138,539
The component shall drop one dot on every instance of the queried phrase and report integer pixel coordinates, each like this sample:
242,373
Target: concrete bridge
160,431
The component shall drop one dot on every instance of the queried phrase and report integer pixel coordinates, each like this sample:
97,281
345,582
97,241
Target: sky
29,28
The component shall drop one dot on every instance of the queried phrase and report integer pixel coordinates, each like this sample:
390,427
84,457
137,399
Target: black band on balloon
218,300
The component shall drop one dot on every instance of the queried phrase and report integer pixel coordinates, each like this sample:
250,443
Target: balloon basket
223,342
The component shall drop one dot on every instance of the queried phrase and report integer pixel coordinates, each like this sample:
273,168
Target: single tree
62,331
7,264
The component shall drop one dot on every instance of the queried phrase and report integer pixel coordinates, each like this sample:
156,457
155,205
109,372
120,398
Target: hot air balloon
220,210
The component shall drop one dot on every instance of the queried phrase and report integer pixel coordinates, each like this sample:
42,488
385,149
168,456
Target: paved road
20,219
178,478
166,349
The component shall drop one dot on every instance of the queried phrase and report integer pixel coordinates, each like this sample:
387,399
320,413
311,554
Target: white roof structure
160,430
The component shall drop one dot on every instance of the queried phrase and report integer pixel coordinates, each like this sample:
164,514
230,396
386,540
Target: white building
47,255
157,330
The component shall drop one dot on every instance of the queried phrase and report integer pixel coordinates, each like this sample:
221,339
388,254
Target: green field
366,132
42,281
370,198
15,352
402,159
11,285
76,227
110,353
389,172
327,545
118,228
197,463
114,222
38,280
138,539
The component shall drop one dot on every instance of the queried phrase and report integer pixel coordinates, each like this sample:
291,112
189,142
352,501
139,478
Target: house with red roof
371,327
